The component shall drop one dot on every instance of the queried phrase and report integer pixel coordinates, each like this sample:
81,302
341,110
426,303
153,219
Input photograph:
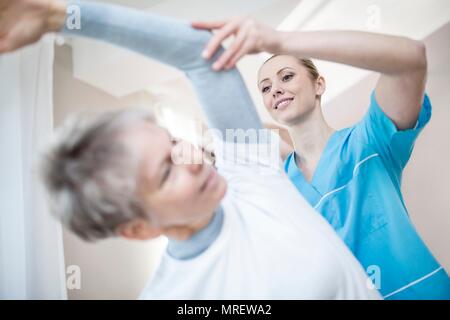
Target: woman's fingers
14,38
207,25
24,22
10,41
238,43
228,29
250,36
246,48
4,47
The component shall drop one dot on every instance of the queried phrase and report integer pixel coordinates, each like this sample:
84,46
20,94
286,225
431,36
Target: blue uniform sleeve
394,146
223,95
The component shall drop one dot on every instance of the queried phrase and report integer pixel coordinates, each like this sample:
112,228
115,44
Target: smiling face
288,89
176,194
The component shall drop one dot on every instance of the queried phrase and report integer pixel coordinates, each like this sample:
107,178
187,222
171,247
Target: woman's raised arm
401,62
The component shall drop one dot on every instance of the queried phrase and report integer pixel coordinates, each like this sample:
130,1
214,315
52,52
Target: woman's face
174,181
287,89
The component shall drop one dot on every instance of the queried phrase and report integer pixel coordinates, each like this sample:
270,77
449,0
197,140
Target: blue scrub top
356,187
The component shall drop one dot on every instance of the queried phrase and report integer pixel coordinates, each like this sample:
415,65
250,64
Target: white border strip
364,160
412,283
340,188
328,194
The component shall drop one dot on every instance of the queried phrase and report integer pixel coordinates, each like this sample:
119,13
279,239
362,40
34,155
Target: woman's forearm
381,53
223,95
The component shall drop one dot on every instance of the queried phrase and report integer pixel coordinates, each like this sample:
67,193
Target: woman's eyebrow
278,72
161,171
158,175
155,177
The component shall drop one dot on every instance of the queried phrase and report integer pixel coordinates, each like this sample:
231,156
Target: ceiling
120,72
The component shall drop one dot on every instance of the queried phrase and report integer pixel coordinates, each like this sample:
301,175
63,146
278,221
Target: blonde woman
352,177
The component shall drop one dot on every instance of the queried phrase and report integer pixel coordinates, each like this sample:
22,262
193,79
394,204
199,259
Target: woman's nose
195,163
277,91
184,153
194,167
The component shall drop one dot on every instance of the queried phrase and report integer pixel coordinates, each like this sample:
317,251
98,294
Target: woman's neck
310,136
184,232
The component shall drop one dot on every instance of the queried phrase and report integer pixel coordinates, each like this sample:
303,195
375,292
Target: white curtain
31,249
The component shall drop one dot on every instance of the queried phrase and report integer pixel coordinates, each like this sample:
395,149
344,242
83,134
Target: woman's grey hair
90,173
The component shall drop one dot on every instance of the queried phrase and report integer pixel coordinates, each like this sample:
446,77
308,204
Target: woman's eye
287,77
265,89
167,173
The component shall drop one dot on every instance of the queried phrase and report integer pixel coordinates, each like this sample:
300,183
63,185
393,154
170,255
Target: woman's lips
283,104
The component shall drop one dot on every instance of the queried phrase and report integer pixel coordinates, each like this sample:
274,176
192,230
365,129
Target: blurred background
71,75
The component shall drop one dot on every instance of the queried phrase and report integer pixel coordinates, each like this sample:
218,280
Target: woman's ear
138,229
320,86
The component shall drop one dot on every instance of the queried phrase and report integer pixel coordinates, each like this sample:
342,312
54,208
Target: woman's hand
23,22
250,37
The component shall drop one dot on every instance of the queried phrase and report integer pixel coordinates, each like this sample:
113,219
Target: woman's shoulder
348,144
344,137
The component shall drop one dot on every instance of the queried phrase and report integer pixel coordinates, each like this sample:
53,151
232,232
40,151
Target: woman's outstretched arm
223,95
401,62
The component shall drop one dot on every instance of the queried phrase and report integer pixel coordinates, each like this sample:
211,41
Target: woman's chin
287,119
223,187
291,117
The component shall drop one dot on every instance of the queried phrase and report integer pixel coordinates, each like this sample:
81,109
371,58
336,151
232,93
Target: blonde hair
305,62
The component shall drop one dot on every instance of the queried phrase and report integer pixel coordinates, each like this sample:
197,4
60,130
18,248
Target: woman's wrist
56,15
272,42
277,42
